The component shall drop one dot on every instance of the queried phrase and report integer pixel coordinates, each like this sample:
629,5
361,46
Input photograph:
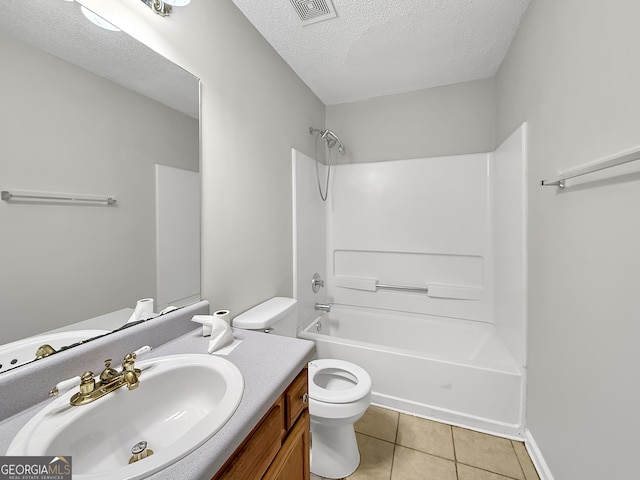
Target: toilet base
334,450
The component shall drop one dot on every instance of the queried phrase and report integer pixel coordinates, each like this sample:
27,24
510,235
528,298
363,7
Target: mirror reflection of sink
182,400
24,351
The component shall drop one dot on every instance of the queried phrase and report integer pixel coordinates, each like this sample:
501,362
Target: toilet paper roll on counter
223,315
143,310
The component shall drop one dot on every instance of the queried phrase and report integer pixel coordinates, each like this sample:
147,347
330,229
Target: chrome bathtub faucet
323,307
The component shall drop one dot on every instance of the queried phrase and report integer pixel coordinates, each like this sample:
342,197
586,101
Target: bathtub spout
323,307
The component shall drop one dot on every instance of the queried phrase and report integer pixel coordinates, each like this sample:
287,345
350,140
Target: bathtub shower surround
425,268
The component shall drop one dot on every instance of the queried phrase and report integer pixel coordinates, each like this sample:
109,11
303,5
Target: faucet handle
44,351
65,386
142,351
87,383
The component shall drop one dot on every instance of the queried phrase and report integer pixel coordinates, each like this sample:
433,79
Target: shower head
331,138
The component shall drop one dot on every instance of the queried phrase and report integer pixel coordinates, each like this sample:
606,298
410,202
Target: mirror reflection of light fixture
161,7
98,20
164,7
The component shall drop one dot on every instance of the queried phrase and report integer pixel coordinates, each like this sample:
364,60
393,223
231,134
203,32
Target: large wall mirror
91,113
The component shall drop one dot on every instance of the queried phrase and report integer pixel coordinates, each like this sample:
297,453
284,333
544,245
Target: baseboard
483,425
536,456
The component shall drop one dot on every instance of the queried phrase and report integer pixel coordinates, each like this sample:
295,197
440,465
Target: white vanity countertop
268,363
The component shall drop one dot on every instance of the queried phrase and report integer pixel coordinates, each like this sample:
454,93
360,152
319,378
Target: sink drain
140,451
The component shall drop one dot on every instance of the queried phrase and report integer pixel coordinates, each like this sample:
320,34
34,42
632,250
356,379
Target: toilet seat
355,393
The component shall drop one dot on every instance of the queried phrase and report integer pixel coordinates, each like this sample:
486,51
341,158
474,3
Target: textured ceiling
382,47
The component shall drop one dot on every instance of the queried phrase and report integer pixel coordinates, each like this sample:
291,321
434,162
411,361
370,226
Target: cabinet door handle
305,397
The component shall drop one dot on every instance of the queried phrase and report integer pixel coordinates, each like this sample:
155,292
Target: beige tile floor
395,446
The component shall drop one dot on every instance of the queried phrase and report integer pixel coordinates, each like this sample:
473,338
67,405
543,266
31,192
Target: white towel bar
621,158
55,197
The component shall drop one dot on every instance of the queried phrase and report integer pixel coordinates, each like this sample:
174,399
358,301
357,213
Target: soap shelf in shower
452,292
404,288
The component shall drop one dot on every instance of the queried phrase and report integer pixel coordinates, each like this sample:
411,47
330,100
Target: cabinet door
292,462
296,398
259,449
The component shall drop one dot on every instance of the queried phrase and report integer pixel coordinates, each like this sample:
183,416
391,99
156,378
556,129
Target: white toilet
339,392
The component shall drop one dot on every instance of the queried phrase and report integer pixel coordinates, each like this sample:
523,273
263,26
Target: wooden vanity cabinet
278,447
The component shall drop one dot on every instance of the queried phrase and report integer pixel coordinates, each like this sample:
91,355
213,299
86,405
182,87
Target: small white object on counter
206,321
217,328
143,310
221,335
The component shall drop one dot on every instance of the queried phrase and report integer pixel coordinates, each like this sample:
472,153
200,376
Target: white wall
254,109
69,131
449,120
573,73
310,230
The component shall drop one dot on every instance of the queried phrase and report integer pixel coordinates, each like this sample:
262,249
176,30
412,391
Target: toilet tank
277,315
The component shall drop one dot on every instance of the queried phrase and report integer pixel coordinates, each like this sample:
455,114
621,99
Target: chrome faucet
323,307
108,381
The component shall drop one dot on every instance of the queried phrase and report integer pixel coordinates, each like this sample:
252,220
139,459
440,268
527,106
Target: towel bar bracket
560,184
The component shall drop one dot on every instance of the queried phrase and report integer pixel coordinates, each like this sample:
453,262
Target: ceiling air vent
313,11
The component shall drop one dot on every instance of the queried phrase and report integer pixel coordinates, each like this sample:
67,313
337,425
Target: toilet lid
340,368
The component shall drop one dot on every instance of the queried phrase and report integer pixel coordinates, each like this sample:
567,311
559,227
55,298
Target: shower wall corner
508,219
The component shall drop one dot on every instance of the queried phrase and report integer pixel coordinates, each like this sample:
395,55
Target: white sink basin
23,351
182,401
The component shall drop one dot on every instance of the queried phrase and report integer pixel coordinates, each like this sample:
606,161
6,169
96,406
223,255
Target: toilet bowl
339,392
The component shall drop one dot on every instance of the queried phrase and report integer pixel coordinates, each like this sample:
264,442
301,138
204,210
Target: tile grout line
376,438
524,474
485,470
425,453
395,444
453,444
455,455
393,457
395,441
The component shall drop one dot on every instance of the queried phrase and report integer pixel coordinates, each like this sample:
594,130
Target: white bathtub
450,370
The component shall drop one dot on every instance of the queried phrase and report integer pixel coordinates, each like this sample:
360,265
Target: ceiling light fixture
164,7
